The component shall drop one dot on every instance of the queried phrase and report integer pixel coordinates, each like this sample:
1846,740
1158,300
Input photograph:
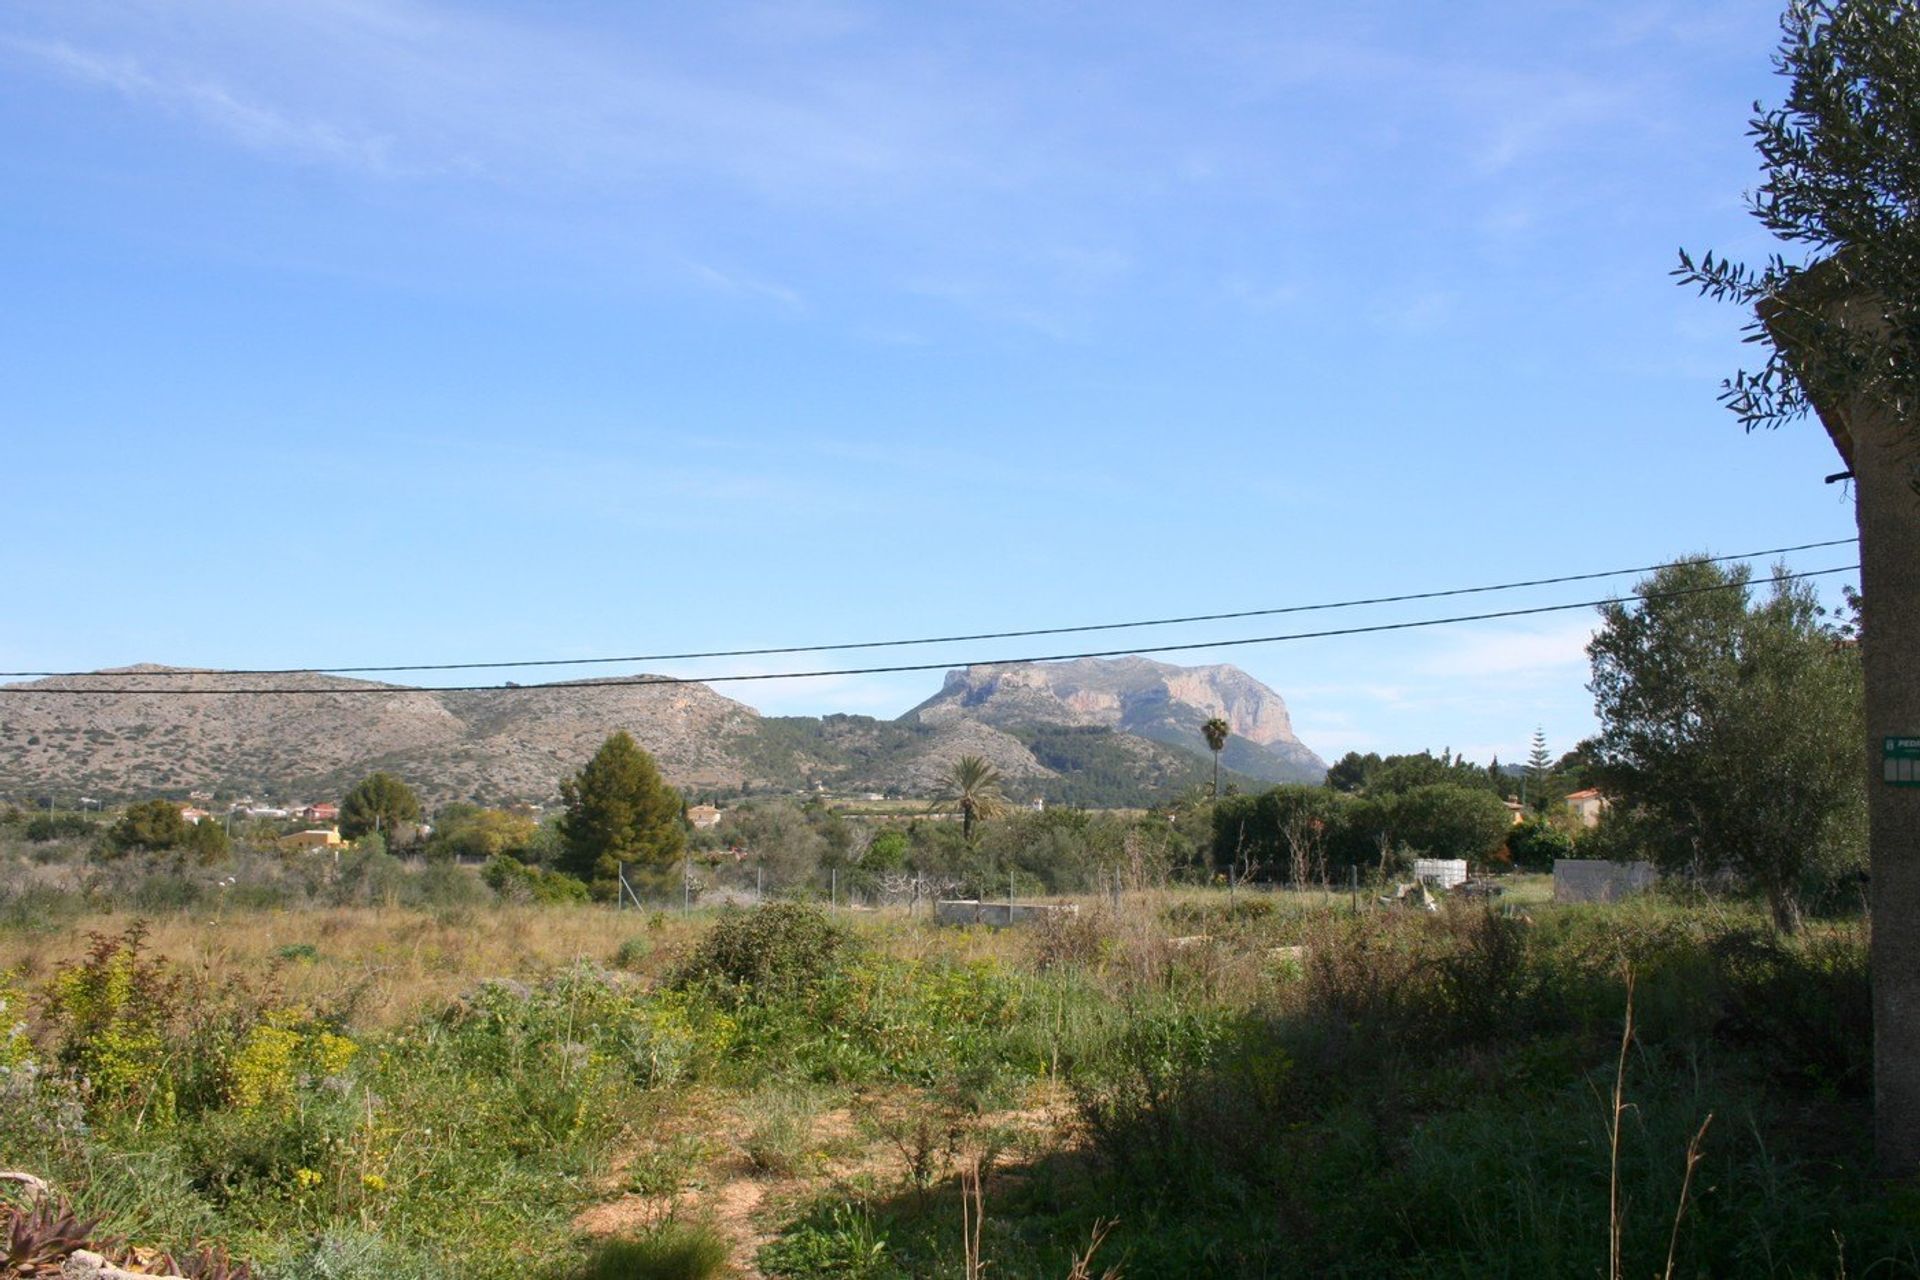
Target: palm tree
1215,731
973,786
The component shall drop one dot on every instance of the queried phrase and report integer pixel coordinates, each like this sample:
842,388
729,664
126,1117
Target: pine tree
380,802
619,810
1539,769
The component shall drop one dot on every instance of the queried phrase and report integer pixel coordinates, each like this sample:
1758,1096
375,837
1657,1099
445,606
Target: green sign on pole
1900,762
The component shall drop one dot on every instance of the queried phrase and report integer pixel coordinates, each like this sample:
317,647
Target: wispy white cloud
1502,651
744,284
249,122
408,87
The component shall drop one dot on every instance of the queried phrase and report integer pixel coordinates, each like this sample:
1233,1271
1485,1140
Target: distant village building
1587,806
322,812
324,838
703,817
193,815
1517,810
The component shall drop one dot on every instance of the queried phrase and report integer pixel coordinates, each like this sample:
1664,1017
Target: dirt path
746,1202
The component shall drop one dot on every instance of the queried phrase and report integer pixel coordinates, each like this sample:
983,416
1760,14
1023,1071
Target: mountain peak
1137,695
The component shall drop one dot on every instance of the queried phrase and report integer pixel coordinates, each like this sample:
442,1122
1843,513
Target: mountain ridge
1136,720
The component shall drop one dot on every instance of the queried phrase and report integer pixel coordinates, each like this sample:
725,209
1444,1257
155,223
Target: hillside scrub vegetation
1304,1090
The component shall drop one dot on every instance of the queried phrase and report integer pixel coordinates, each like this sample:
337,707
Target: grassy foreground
1265,1087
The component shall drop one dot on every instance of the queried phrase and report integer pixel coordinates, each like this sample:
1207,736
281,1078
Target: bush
674,1250
46,827
514,881
442,884
369,878
1535,844
109,1013
782,949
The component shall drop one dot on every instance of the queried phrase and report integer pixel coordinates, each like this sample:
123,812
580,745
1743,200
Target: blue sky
359,331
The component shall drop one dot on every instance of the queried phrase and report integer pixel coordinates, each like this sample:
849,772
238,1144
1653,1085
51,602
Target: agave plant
40,1237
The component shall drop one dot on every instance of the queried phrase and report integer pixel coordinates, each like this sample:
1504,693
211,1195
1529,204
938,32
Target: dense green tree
1289,832
152,824
468,831
207,842
972,787
1734,725
782,840
619,810
1536,843
1842,335
1448,821
378,802
887,852
1350,772
43,827
1215,731
1056,850
1396,774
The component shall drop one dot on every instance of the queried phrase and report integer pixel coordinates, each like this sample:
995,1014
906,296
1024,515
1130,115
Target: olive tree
1840,329
1733,726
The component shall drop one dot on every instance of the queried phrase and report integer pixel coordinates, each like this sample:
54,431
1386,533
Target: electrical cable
958,639
626,682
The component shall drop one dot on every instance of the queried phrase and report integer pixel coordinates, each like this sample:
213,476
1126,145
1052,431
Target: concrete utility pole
1882,452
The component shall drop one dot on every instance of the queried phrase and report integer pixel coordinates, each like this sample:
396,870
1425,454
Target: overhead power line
776,650
622,682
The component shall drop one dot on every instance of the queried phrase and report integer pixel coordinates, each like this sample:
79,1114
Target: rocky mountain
501,744
1154,700
1076,732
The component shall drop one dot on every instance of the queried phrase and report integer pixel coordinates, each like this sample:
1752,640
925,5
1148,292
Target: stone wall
997,915
1591,880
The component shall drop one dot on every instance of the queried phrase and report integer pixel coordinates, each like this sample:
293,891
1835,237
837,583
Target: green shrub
664,1170
47,827
369,877
269,1153
354,1254
674,1250
38,908
442,885
840,1243
1804,1004
514,881
168,891
633,952
109,1014
1535,844
768,952
779,1140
